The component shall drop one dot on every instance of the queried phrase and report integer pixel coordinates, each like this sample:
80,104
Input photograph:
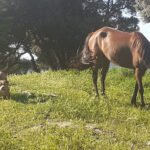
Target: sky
145,29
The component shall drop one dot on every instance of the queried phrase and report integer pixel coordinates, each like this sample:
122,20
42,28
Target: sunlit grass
59,111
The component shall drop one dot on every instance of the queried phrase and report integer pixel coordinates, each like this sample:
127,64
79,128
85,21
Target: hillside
58,111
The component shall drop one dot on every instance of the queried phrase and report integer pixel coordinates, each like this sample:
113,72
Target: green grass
59,111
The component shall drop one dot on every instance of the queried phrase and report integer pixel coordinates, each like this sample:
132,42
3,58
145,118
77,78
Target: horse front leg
133,100
94,77
139,85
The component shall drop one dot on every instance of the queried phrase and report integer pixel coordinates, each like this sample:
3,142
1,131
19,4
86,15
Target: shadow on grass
32,98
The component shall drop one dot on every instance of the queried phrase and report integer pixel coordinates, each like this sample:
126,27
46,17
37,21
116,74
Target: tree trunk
34,65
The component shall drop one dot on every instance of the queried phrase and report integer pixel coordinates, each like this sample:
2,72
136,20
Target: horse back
127,49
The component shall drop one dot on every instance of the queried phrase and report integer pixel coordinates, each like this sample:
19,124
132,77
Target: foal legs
138,86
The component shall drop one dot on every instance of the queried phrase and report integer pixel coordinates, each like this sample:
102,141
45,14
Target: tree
54,30
10,46
143,6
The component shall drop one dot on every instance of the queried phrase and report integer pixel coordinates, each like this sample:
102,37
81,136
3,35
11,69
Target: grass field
58,111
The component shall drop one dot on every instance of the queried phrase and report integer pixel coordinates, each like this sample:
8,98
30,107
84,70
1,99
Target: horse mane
143,47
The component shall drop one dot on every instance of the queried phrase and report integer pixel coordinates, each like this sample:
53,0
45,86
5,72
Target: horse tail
86,46
86,50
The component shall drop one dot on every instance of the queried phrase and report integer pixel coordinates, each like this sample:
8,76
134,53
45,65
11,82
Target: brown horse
129,50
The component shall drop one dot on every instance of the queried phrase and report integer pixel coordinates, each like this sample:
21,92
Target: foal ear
103,34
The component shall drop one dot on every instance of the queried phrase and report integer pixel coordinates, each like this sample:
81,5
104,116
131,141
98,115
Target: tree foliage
143,6
53,30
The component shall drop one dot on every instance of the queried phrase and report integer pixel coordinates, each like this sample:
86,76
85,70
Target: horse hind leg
104,71
94,77
95,69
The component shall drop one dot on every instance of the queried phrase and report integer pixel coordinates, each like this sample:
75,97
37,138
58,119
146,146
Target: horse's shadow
32,98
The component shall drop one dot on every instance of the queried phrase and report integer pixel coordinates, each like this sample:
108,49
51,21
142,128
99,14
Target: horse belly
121,57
